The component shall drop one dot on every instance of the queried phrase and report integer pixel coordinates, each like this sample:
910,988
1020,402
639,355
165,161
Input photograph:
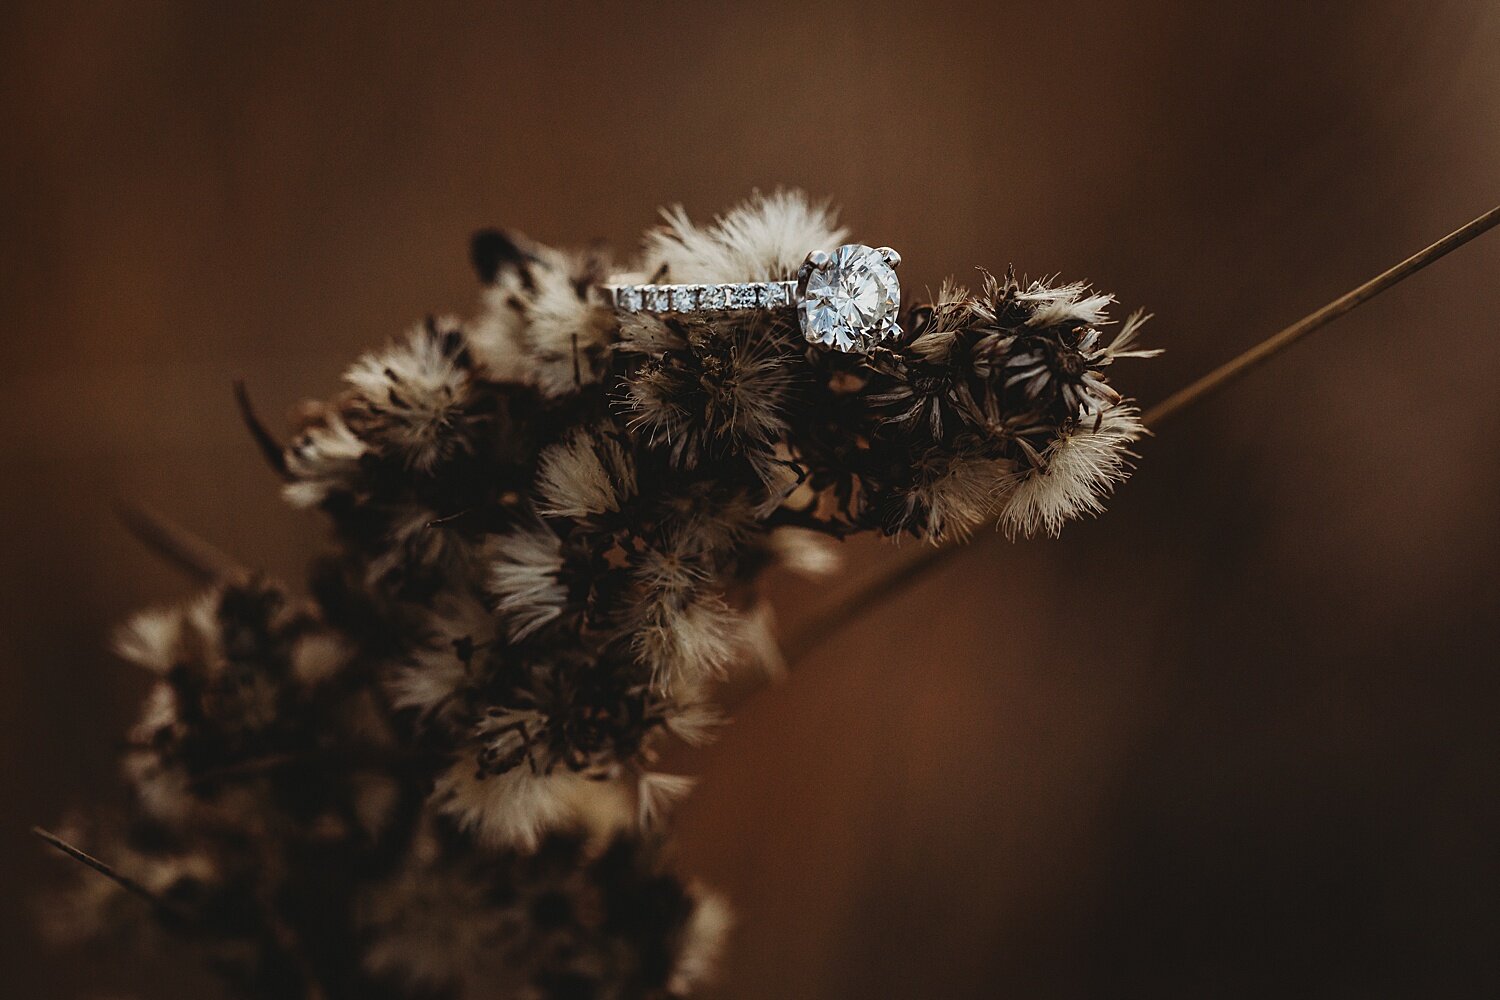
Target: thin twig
1273,345
913,568
88,860
270,448
908,570
178,546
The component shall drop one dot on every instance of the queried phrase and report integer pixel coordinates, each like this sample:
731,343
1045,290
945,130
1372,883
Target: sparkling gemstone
628,298
684,298
851,301
776,295
657,298
743,297
712,297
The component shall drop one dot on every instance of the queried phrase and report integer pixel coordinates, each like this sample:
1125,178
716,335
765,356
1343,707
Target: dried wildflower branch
1280,341
265,441
907,571
86,859
803,641
178,546
435,775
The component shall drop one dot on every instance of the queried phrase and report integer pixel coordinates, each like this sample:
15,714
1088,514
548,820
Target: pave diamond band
702,298
847,299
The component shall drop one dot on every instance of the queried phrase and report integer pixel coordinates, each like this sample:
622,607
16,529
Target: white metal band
702,298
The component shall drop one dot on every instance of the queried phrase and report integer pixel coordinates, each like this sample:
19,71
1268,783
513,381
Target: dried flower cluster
433,776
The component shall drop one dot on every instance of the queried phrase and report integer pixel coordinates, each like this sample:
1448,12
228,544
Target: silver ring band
702,298
849,299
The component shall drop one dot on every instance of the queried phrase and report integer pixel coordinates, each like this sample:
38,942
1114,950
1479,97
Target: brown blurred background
1237,738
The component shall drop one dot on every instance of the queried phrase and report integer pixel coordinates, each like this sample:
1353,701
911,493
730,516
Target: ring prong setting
891,256
849,299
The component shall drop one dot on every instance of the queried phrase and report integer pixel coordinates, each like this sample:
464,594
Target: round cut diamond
850,301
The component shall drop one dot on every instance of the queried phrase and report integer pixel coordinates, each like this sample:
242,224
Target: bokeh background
1237,738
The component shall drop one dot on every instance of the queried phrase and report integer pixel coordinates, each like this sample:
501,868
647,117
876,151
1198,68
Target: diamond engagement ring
847,299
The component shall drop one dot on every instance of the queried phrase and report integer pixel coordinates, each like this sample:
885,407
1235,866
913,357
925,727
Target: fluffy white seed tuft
703,943
150,639
523,579
687,643
413,395
963,496
517,808
656,793
807,553
324,460
583,475
697,724
540,322
1070,303
764,237
453,639
1081,468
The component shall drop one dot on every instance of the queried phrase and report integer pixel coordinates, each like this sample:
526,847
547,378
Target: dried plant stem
88,860
908,570
284,937
1275,344
265,441
178,546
